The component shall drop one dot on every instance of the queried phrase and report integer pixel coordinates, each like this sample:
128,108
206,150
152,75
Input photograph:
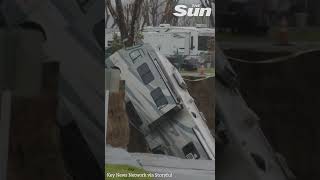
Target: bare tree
146,12
155,8
120,20
135,16
112,12
128,9
107,16
111,9
127,26
168,16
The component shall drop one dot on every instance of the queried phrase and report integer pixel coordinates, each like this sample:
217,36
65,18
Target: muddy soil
203,93
286,97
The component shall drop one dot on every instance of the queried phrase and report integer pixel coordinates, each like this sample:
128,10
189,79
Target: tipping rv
166,113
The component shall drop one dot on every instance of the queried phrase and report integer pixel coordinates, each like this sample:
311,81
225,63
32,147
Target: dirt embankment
286,97
203,93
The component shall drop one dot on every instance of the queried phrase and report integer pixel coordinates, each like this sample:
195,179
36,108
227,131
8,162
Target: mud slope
286,96
203,93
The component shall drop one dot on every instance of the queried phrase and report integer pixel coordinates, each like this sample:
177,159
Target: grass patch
124,170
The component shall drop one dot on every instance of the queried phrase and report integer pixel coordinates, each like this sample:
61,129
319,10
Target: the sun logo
195,10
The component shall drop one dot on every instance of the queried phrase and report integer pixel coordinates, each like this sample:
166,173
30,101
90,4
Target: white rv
170,40
189,41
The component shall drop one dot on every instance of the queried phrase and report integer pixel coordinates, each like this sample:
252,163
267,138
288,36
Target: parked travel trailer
173,40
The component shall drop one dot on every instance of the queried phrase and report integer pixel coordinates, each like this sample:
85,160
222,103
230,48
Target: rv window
145,73
136,55
203,43
159,97
190,151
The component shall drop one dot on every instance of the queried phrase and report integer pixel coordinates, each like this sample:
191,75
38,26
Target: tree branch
121,21
111,10
135,15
